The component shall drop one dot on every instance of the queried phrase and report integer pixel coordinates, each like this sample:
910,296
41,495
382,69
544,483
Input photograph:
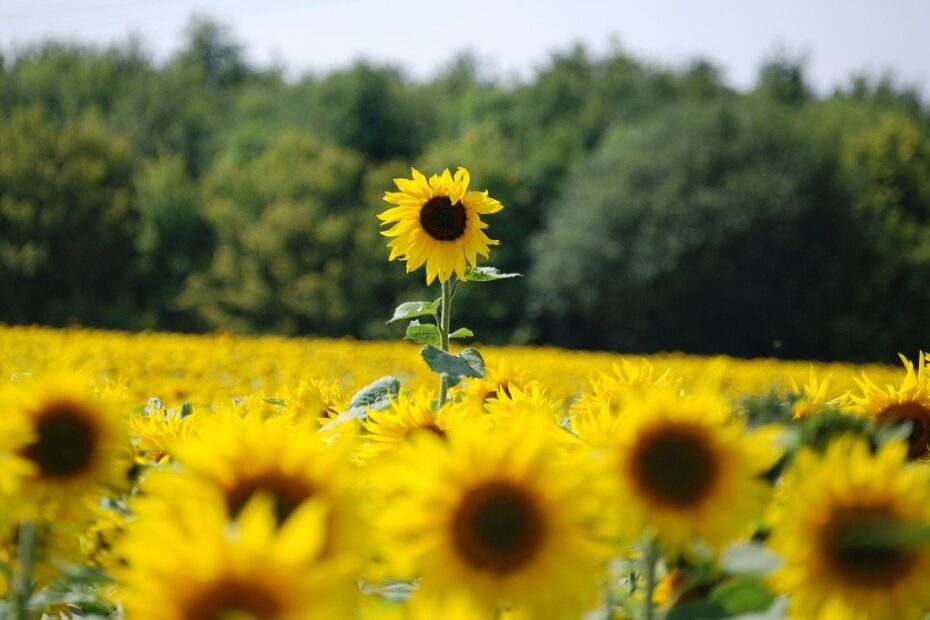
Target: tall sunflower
910,402
194,565
503,517
831,503
437,222
687,470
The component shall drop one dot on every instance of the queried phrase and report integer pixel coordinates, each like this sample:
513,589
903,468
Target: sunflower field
158,476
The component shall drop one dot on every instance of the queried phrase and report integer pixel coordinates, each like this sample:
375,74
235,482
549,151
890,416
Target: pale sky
839,37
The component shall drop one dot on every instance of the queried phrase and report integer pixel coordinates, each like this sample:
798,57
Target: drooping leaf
375,395
415,309
462,332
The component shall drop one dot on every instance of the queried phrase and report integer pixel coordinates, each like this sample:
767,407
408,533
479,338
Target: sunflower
687,470
409,415
831,501
238,457
65,444
514,404
908,403
318,399
184,561
503,517
499,379
812,396
437,222
596,412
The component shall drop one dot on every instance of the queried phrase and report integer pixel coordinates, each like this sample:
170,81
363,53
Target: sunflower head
505,513
69,442
835,507
813,396
437,221
686,469
907,403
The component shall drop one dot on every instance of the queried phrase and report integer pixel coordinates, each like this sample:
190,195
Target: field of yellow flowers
222,477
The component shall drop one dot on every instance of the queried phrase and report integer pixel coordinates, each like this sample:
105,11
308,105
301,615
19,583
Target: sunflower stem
22,585
649,568
445,320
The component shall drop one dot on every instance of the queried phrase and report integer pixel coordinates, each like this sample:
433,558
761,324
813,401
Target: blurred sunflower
195,565
410,415
437,222
240,457
908,403
686,469
515,404
65,444
596,411
831,504
499,379
502,517
813,396
318,399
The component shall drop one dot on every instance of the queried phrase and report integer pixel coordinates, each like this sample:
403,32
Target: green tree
707,229
67,222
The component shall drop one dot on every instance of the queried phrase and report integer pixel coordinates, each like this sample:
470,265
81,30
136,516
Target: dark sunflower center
675,467
443,220
288,493
845,542
65,443
919,417
498,527
233,598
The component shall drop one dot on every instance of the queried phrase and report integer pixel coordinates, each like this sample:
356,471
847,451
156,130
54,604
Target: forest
650,208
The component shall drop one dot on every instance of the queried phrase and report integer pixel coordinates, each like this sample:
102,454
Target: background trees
650,207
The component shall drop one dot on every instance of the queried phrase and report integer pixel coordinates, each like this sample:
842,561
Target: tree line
651,208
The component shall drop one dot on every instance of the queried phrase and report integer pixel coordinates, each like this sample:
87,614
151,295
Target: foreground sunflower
910,403
503,517
831,504
194,565
437,222
240,457
687,470
69,444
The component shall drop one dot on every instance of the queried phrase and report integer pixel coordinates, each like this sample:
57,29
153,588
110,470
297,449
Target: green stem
22,586
445,320
649,568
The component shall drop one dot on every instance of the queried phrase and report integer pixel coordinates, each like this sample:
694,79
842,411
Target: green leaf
415,309
462,332
377,395
488,274
423,334
468,363
277,402
696,610
742,595
749,559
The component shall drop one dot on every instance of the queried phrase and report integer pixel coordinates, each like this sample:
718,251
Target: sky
838,38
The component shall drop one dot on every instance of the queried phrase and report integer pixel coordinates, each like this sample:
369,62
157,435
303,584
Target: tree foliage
650,207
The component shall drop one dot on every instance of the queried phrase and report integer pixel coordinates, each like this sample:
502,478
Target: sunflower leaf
468,363
422,333
488,274
415,309
376,395
462,332
743,595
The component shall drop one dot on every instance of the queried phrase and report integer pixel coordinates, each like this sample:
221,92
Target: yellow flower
686,470
239,457
410,415
515,404
812,396
437,222
185,561
65,444
830,502
597,411
908,403
503,517
478,393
